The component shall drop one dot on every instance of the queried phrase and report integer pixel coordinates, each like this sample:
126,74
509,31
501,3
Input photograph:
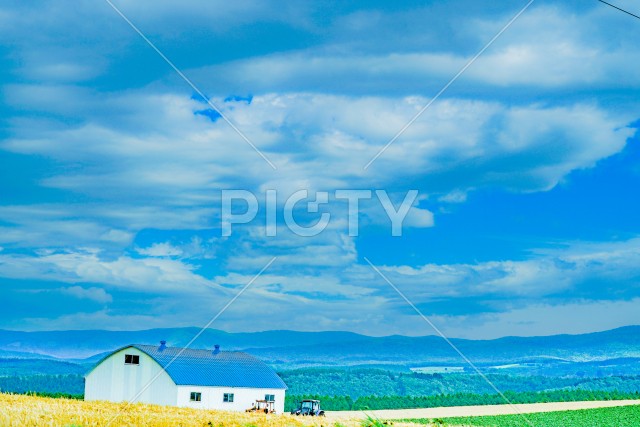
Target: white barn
225,380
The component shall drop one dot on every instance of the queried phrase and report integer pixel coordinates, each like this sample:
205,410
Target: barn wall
212,397
114,381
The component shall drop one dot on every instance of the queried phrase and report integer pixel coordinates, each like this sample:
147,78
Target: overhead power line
620,9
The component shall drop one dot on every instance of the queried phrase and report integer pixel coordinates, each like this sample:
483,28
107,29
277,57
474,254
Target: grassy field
626,416
31,411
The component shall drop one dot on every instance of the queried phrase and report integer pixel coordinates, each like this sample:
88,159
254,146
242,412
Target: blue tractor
309,407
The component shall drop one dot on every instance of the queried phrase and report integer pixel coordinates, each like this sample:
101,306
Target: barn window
270,397
228,397
196,397
131,359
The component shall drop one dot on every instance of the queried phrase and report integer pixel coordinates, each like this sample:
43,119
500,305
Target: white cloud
150,162
548,47
575,269
93,294
117,236
160,250
59,225
151,275
138,156
331,135
420,218
455,196
291,292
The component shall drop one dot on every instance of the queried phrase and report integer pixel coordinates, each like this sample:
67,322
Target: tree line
71,384
346,403
377,382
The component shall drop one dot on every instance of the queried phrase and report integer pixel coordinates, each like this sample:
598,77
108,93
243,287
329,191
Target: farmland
31,411
625,416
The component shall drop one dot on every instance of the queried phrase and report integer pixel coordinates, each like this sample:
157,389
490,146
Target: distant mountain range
289,349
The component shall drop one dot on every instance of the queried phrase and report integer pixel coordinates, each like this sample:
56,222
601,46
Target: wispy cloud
112,170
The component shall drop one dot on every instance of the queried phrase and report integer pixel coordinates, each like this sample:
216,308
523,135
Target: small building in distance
207,379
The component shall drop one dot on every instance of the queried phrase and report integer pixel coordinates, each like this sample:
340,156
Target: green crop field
625,416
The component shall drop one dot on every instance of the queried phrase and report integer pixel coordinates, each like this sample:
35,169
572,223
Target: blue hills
289,349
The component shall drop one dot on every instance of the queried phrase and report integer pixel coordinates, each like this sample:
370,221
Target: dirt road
463,411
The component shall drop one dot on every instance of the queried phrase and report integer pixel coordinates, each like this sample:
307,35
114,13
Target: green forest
377,382
368,388
21,367
71,384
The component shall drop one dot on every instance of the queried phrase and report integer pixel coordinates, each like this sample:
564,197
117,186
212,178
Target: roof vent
216,349
163,345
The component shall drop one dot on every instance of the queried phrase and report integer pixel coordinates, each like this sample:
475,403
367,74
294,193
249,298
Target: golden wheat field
31,411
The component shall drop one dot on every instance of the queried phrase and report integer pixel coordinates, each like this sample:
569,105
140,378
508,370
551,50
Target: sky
527,167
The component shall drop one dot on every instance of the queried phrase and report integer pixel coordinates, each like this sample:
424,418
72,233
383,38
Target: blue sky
527,167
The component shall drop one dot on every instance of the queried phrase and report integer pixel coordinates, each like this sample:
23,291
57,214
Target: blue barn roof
206,368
